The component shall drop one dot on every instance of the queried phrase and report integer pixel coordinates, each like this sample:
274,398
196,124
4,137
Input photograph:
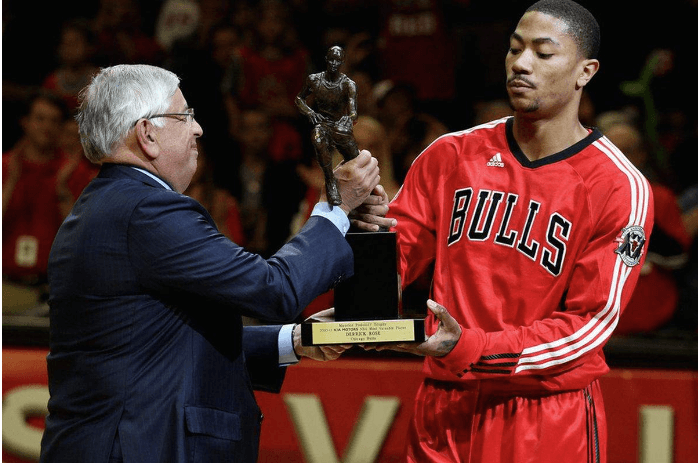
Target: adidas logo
496,161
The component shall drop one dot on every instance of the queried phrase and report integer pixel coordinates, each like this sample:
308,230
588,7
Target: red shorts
477,423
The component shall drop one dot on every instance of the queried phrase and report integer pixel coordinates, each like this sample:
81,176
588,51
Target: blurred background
422,68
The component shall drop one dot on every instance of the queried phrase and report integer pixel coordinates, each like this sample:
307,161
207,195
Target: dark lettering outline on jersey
484,196
529,250
462,200
556,221
503,237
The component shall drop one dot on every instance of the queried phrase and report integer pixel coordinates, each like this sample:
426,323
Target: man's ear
589,69
146,138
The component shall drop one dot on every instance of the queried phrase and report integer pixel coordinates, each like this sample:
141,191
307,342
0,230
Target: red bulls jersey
535,259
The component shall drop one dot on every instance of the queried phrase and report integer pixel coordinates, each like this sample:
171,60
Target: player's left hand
438,345
320,353
371,215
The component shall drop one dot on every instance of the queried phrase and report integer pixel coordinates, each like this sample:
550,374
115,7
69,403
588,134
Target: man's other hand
320,353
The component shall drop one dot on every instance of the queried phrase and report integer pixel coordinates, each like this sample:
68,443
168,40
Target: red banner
357,410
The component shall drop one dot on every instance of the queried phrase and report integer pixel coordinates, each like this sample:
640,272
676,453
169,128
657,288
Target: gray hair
116,99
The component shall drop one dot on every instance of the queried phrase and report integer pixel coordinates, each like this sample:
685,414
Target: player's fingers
364,226
374,200
370,210
436,308
379,191
443,315
373,223
368,217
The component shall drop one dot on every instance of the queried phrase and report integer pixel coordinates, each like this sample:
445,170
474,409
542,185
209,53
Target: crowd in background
422,68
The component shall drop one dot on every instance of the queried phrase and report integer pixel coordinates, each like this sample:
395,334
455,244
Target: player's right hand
438,345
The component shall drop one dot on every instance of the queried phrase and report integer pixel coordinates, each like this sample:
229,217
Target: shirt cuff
287,356
335,214
466,353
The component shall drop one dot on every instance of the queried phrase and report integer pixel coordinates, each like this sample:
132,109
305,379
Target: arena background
356,409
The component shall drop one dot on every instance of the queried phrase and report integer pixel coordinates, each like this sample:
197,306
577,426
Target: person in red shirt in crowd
267,73
421,31
655,298
121,37
39,185
75,50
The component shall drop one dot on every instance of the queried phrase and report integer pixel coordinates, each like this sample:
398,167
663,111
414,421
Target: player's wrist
466,352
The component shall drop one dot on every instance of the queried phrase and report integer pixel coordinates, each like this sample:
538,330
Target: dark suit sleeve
260,344
175,247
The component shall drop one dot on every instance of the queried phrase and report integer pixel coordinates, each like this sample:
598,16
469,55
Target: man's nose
522,64
198,130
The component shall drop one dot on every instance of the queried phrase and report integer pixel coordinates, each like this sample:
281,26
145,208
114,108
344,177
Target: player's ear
588,69
147,138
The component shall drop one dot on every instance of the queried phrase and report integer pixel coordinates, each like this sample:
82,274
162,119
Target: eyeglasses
187,117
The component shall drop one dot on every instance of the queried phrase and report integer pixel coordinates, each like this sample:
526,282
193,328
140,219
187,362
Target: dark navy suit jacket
149,361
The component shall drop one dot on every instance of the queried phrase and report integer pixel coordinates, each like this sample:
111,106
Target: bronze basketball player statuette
333,115
367,305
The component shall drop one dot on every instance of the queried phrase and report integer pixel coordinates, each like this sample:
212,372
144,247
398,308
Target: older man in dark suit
149,360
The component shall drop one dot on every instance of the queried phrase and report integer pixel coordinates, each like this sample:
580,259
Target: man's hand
356,179
321,353
371,215
437,345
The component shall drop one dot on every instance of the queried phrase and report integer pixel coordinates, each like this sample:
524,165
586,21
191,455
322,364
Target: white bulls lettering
480,222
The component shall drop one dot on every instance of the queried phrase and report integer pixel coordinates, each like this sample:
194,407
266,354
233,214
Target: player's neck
540,138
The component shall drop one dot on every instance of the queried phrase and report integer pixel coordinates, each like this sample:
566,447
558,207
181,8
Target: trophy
367,305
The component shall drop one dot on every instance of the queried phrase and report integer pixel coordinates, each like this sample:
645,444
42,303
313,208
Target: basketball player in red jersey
538,228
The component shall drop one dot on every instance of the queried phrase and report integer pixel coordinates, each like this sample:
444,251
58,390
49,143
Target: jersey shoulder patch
631,242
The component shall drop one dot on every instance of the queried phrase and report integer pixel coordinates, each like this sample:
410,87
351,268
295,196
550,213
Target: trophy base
362,332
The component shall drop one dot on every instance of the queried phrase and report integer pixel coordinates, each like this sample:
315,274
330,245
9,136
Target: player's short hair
582,26
116,98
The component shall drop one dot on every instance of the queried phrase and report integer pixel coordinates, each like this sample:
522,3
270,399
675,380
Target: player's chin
523,105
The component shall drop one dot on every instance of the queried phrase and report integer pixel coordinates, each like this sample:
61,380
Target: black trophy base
374,292
368,305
